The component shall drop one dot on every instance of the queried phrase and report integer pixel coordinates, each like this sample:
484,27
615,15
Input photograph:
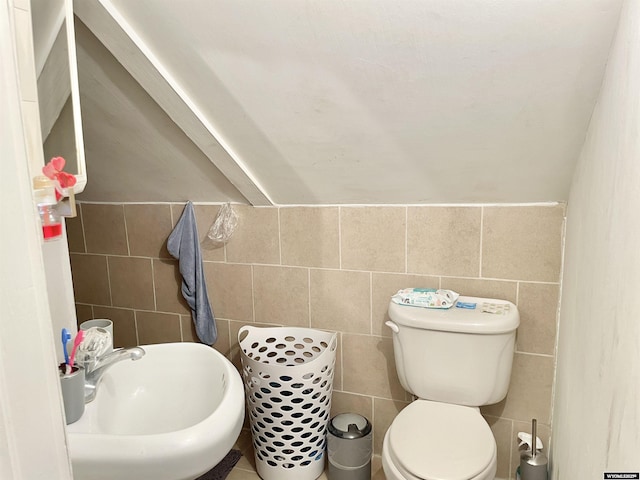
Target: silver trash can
349,445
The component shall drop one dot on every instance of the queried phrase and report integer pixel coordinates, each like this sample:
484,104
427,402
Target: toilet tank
456,355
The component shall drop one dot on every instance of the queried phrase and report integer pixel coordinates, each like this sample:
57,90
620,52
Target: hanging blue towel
184,246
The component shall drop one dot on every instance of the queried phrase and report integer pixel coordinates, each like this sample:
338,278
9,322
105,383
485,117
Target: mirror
58,88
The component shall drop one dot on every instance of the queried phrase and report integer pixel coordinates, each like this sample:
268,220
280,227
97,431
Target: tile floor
245,469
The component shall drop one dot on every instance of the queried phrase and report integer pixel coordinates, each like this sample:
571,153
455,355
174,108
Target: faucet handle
96,343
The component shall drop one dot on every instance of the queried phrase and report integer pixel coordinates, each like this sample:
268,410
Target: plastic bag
224,225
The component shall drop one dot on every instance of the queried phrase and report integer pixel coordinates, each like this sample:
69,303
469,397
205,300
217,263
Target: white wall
596,423
32,438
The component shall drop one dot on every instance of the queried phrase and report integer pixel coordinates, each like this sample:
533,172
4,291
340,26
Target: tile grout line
253,297
126,230
279,237
106,260
153,287
406,239
135,324
370,303
511,448
309,294
339,238
481,240
84,235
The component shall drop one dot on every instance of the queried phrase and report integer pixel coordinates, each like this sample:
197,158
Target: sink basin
172,415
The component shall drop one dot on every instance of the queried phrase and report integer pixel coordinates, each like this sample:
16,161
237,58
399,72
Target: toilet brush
533,464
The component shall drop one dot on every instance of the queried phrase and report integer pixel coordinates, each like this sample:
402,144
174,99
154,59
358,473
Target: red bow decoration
53,170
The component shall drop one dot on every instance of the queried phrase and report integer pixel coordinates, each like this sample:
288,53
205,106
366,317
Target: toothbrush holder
72,386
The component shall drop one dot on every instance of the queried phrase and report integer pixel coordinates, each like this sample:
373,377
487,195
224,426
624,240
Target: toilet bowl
435,441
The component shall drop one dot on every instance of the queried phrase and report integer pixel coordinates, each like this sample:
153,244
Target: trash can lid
349,425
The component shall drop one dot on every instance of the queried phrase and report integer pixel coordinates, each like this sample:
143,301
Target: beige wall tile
154,327
104,229
373,238
83,312
377,471
256,239
281,295
384,412
444,241
478,287
75,234
223,344
90,279
188,328
234,346
124,325
230,290
176,212
538,306
340,300
343,402
502,430
131,281
369,367
168,287
148,227
309,236
522,243
529,393
383,286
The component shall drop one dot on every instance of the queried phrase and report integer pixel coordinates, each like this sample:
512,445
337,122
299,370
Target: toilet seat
434,441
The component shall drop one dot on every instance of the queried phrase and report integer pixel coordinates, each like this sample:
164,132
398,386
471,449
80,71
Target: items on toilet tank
425,297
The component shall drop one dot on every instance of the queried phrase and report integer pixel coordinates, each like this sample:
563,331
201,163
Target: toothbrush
76,342
66,336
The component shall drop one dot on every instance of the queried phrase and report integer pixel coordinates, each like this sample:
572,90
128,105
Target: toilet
453,361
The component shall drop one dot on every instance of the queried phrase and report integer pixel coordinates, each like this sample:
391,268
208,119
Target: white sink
172,415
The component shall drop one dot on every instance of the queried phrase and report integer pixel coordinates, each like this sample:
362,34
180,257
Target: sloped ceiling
344,102
134,151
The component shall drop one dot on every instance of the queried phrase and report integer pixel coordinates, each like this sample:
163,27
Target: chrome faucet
94,372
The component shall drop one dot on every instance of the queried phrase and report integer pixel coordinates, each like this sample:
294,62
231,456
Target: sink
172,415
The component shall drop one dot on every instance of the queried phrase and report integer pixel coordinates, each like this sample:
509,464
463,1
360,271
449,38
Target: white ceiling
334,101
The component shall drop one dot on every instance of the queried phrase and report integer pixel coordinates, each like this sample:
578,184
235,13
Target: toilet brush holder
533,464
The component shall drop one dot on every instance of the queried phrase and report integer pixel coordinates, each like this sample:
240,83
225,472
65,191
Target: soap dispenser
44,193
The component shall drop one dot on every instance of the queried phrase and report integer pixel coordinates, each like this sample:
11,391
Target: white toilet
453,361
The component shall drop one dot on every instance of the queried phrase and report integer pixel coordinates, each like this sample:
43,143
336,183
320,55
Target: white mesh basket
288,379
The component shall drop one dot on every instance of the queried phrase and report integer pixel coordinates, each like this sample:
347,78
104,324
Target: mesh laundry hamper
288,380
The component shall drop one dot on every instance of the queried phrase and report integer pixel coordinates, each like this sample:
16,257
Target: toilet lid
434,440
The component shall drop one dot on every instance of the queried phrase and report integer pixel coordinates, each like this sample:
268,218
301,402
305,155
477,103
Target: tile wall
335,268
